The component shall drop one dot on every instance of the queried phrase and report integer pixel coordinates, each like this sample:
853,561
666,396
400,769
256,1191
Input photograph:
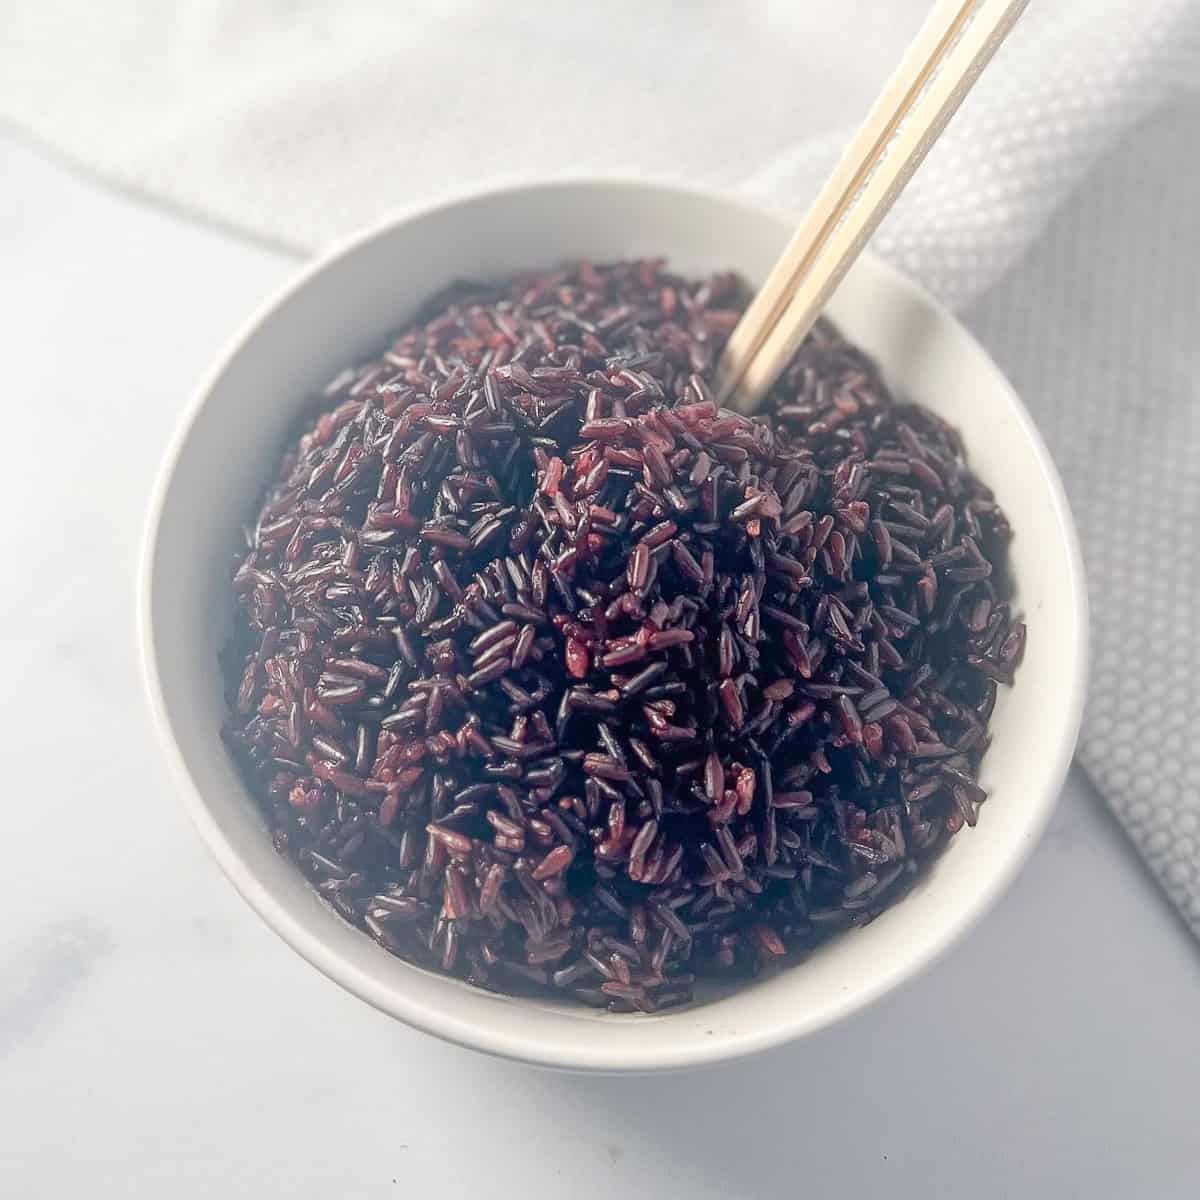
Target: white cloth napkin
1059,214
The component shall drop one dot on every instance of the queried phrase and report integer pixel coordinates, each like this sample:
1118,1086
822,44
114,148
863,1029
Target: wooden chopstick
956,42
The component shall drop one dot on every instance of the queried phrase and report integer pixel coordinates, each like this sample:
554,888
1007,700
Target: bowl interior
341,311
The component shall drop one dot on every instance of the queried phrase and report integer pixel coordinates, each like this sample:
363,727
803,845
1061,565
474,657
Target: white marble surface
157,1040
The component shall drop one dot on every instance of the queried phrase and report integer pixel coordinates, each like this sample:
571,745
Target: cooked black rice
553,675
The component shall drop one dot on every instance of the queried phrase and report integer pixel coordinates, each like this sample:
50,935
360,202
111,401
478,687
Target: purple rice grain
557,678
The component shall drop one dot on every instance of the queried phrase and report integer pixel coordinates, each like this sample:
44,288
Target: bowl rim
442,1022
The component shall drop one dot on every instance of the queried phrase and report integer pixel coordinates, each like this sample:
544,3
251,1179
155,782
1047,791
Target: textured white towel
1061,214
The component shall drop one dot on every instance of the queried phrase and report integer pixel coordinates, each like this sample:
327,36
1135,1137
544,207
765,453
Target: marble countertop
156,1039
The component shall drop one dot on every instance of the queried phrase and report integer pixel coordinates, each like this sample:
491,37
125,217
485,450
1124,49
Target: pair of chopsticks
952,48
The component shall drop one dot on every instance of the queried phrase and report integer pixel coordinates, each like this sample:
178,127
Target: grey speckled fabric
1099,330
1059,214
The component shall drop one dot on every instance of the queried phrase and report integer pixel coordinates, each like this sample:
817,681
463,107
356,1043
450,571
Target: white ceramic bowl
338,311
